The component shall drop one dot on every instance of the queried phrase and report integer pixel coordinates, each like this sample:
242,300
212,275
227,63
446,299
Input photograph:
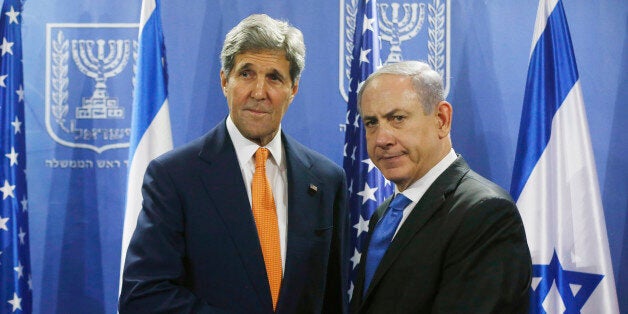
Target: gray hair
427,83
259,32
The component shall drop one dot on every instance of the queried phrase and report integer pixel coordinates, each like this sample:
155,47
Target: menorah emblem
395,30
100,67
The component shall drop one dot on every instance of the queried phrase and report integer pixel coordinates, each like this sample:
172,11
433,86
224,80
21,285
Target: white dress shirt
416,190
276,172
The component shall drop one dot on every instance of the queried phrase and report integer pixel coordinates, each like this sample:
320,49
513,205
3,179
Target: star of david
553,273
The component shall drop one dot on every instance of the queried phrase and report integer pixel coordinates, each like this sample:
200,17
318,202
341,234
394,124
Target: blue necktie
382,236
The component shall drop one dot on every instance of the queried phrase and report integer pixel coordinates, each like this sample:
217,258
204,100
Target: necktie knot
399,202
260,157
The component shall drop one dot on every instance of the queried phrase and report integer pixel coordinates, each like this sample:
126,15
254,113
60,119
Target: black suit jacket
195,248
462,249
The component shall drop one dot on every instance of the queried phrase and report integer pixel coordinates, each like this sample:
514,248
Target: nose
384,137
259,89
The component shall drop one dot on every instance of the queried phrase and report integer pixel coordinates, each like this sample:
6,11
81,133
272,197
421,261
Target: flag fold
367,186
151,133
15,268
555,181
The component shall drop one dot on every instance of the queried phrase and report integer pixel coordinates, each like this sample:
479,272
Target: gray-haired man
243,219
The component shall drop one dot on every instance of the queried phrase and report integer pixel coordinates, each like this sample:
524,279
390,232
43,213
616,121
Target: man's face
259,90
402,141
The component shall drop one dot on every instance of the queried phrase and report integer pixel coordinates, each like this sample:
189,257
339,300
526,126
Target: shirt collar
245,148
416,190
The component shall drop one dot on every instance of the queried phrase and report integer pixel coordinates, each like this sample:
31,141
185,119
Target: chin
392,173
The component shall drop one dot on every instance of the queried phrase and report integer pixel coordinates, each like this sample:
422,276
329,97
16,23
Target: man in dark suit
200,245
451,241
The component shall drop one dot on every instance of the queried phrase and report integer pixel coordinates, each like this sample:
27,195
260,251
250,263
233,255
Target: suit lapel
224,184
303,211
429,204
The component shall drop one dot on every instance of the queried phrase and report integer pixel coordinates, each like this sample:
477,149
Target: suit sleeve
487,266
154,272
336,297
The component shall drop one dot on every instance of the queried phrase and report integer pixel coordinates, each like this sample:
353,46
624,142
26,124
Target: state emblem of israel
412,30
89,84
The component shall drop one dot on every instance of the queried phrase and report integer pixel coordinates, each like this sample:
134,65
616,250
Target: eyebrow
387,115
245,66
274,71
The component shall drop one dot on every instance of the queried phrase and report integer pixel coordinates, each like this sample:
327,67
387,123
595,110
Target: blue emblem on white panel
412,30
89,84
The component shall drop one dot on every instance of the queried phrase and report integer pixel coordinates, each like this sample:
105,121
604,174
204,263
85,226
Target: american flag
15,269
367,186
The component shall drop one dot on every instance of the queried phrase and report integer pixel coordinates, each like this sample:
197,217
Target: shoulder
480,211
311,158
181,154
472,197
463,188
480,204
476,186
207,145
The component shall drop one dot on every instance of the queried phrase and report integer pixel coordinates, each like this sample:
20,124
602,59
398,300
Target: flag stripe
546,191
148,7
545,9
151,132
151,76
551,75
156,140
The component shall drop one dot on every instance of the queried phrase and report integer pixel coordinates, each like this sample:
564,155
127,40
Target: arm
487,266
336,297
154,274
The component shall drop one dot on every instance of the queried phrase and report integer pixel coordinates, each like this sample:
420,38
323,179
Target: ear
223,82
444,114
295,89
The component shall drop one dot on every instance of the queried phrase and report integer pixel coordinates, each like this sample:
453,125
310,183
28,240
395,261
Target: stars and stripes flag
15,270
151,134
367,186
555,181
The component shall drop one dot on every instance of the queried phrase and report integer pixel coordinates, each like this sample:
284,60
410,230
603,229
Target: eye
275,77
398,118
245,73
369,123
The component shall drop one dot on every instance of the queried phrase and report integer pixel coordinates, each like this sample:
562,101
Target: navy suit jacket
195,248
462,249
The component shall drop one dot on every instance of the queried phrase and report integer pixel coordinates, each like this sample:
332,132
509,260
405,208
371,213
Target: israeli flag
151,134
555,181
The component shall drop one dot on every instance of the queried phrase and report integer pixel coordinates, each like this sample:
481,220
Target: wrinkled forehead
267,61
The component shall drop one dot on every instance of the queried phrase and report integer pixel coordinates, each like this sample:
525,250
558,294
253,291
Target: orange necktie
266,221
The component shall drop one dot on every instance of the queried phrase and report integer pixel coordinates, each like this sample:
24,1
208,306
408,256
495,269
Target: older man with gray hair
449,240
243,219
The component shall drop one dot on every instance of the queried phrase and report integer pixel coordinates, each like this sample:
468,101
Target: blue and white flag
151,134
367,186
16,293
555,181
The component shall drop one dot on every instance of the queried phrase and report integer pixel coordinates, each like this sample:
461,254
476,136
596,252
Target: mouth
256,112
391,157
